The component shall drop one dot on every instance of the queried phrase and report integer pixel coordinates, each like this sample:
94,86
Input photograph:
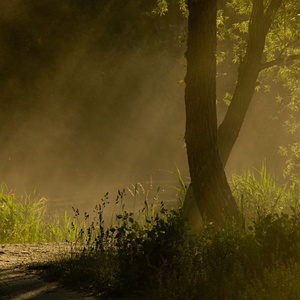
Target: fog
90,104
87,118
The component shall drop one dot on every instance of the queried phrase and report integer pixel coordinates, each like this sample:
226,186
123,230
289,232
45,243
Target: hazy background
90,100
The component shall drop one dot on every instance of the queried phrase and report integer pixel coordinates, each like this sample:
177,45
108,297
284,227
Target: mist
83,118
91,101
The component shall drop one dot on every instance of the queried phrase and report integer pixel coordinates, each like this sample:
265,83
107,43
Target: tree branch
270,12
279,61
272,8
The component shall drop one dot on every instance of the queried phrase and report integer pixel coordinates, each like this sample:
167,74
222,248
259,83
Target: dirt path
17,282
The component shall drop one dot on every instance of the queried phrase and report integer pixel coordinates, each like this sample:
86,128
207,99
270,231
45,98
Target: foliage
159,257
292,163
162,7
280,282
278,236
132,251
281,57
156,255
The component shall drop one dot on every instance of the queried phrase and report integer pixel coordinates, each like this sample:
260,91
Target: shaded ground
17,281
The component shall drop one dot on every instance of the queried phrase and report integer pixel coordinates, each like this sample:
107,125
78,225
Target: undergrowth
154,254
160,257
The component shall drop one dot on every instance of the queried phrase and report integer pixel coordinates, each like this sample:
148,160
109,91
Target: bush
277,283
162,258
130,253
278,236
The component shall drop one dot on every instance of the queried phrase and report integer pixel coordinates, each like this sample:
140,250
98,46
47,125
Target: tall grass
23,220
258,194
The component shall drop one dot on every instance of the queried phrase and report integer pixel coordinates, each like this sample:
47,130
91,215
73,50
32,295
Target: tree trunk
248,72
211,190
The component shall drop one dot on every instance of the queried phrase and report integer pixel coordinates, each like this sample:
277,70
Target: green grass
23,220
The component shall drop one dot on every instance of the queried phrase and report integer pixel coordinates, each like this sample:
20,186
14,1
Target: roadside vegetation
153,253
24,220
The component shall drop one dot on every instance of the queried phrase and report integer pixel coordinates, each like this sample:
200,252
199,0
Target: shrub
277,283
278,236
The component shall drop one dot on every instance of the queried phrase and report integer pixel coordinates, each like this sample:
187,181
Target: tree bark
212,192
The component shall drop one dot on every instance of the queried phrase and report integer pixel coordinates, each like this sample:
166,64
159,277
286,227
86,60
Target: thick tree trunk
211,190
248,72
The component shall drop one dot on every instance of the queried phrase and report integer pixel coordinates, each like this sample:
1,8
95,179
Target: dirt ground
17,282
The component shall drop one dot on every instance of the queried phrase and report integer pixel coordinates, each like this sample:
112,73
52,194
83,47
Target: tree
266,44
258,55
